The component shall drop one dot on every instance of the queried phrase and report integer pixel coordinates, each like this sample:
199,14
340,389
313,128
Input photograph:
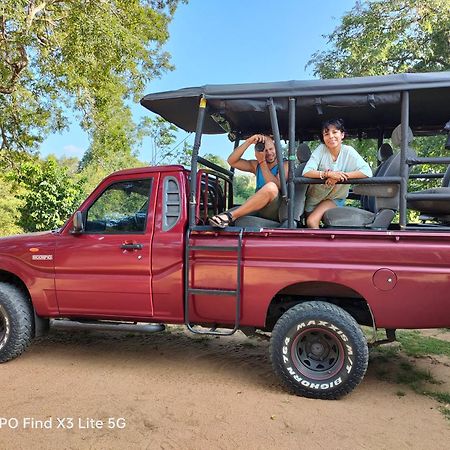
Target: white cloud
73,150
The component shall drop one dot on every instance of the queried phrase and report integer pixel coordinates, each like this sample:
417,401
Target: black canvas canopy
370,106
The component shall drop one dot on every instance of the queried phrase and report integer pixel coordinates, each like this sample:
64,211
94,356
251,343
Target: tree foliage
90,56
48,195
243,188
10,205
378,37
162,139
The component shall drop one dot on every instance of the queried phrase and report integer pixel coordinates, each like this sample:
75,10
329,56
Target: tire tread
21,321
335,313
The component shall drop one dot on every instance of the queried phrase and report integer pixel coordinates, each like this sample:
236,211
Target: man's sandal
219,222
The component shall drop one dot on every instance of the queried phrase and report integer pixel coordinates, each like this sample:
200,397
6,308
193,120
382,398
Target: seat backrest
391,169
446,179
384,153
303,153
396,137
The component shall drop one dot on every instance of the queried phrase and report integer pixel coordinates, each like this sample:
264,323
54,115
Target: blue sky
231,41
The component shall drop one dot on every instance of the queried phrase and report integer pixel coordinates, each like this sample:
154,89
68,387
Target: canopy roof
368,105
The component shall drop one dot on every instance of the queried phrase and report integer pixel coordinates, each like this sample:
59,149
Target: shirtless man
266,200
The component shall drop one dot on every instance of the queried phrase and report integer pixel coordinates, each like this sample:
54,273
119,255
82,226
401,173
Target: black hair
337,123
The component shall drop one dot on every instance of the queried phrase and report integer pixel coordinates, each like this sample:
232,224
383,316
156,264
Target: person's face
332,137
270,152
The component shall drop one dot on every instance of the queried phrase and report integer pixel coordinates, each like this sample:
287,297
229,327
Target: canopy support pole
232,170
194,160
292,159
404,167
276,137
235,146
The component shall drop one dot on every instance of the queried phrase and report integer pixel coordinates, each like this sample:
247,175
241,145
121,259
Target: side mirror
78,226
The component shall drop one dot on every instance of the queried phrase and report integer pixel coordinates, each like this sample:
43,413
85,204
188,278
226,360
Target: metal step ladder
190,290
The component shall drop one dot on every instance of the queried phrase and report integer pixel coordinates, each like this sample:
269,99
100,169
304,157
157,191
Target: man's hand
256,138
333,177
260,157
235,159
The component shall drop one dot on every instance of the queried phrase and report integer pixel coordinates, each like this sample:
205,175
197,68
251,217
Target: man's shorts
270,211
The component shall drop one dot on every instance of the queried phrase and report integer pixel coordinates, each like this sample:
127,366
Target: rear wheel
16,322
318,350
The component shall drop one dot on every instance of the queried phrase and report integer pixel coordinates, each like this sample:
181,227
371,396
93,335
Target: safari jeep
140,250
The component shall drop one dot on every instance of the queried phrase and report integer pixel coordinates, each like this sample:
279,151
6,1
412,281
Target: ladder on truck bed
191,290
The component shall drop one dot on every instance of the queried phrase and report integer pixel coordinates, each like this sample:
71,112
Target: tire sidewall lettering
318,385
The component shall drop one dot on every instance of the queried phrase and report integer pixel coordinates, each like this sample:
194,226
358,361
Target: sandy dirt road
175,391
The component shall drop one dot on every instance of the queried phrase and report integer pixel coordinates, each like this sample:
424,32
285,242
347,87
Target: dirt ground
172,390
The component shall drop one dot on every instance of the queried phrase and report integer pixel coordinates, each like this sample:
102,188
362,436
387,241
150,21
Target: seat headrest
396,137
446,179
384,152
303,153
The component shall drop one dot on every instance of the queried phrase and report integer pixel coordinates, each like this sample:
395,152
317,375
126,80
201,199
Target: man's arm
267,174
235,159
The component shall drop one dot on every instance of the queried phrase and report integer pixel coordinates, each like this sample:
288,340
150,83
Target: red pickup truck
139,248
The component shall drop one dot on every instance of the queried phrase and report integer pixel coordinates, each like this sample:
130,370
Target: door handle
132,246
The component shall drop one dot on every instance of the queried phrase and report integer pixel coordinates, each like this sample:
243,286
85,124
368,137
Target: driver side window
122,208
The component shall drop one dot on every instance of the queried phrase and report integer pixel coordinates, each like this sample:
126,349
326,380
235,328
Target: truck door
105,271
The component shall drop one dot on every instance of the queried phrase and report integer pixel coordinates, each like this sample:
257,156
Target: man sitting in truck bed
266,200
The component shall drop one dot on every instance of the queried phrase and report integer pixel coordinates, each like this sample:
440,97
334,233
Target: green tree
10,206
243,188
90,56
49,196
162,139
378,37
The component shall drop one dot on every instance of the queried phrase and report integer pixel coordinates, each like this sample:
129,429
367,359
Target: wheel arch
41,324
338,294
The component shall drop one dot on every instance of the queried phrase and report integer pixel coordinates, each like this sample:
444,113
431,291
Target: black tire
318,350
16,322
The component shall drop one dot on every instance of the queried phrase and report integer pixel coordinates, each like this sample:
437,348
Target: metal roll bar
194,160
287,187
276,138
291,161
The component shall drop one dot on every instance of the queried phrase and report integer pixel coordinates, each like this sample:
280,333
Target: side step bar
64,324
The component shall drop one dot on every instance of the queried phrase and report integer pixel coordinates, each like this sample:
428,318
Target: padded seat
437,209
250,221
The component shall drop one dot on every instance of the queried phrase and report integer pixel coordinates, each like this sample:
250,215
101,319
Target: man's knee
271,190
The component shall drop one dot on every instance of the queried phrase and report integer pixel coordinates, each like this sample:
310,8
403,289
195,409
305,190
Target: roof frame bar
404,167
194,160
277,140
291,162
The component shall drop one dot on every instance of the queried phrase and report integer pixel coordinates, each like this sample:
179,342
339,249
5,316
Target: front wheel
318,350
16,322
